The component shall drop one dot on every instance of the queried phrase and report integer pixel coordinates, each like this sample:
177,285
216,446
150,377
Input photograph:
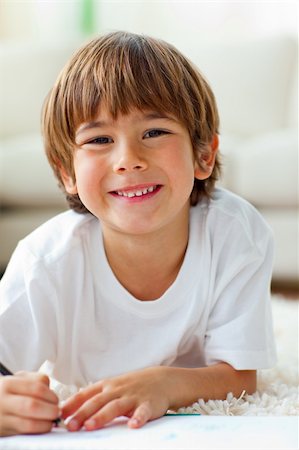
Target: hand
27,404
140,395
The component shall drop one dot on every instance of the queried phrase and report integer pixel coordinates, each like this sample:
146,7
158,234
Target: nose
129,159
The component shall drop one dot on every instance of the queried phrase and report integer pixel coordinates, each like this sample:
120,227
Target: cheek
181,167
87,170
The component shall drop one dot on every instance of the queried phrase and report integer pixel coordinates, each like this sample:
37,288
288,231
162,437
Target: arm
149,393
213,382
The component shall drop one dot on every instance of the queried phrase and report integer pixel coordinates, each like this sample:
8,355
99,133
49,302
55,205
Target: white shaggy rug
277,392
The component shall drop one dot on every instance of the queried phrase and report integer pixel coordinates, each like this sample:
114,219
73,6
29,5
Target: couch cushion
15,224
284,224
28,70
26,177
264,169
253,81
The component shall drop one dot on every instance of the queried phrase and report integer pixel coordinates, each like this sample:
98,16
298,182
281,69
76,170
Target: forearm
186,386
147,394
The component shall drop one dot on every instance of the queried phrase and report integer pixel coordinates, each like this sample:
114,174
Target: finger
34,376
115,408
76,401
31,407
21,425
43,378
28,387
88,409
142,414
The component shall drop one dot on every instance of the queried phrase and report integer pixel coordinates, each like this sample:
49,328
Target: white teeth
138,193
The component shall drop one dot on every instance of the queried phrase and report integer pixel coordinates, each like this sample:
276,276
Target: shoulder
57,236
228,215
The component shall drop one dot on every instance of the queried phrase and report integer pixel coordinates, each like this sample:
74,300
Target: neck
146,265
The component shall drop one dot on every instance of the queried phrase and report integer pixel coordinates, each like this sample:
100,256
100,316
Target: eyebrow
89,125
102,123
156,115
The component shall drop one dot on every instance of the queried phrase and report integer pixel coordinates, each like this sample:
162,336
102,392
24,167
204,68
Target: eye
100,140
155,133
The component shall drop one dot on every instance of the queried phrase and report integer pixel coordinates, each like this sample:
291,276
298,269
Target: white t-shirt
61,302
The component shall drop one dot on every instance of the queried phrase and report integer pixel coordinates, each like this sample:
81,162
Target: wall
187,21
181,22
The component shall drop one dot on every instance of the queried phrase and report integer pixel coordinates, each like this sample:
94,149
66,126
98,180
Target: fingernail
90,424
73,425
134,422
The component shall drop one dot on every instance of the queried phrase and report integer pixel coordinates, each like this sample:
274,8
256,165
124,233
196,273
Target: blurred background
248,50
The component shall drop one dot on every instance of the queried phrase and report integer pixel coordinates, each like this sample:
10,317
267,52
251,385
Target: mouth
138,191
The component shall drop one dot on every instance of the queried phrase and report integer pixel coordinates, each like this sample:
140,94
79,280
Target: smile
137,192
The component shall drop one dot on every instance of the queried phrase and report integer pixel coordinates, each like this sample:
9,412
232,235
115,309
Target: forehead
102,108
105,94
104,118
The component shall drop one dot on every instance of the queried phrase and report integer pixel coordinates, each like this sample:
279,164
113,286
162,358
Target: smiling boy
154,288
136,173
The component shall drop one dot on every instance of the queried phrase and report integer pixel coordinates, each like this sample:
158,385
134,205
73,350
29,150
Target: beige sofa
255,84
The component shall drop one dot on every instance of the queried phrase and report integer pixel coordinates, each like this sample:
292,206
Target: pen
4,371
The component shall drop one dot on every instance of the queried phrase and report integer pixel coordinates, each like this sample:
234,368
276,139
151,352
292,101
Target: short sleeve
27,319
239,329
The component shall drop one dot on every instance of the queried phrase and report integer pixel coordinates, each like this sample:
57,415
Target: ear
203,170
68,181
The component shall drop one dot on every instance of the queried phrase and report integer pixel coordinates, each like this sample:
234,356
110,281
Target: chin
136,228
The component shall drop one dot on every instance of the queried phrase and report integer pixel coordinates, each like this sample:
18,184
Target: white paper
173,433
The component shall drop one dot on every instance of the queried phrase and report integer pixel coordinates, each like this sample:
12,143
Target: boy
154,288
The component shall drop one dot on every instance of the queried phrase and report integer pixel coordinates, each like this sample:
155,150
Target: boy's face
135,173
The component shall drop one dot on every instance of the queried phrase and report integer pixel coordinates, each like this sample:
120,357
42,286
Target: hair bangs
124,77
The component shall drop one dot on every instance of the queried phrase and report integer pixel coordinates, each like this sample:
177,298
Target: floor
288,289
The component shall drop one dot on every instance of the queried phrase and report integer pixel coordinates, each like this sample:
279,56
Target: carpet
277,392
277,388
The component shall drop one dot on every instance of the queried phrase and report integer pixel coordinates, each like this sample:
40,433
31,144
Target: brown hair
123,71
